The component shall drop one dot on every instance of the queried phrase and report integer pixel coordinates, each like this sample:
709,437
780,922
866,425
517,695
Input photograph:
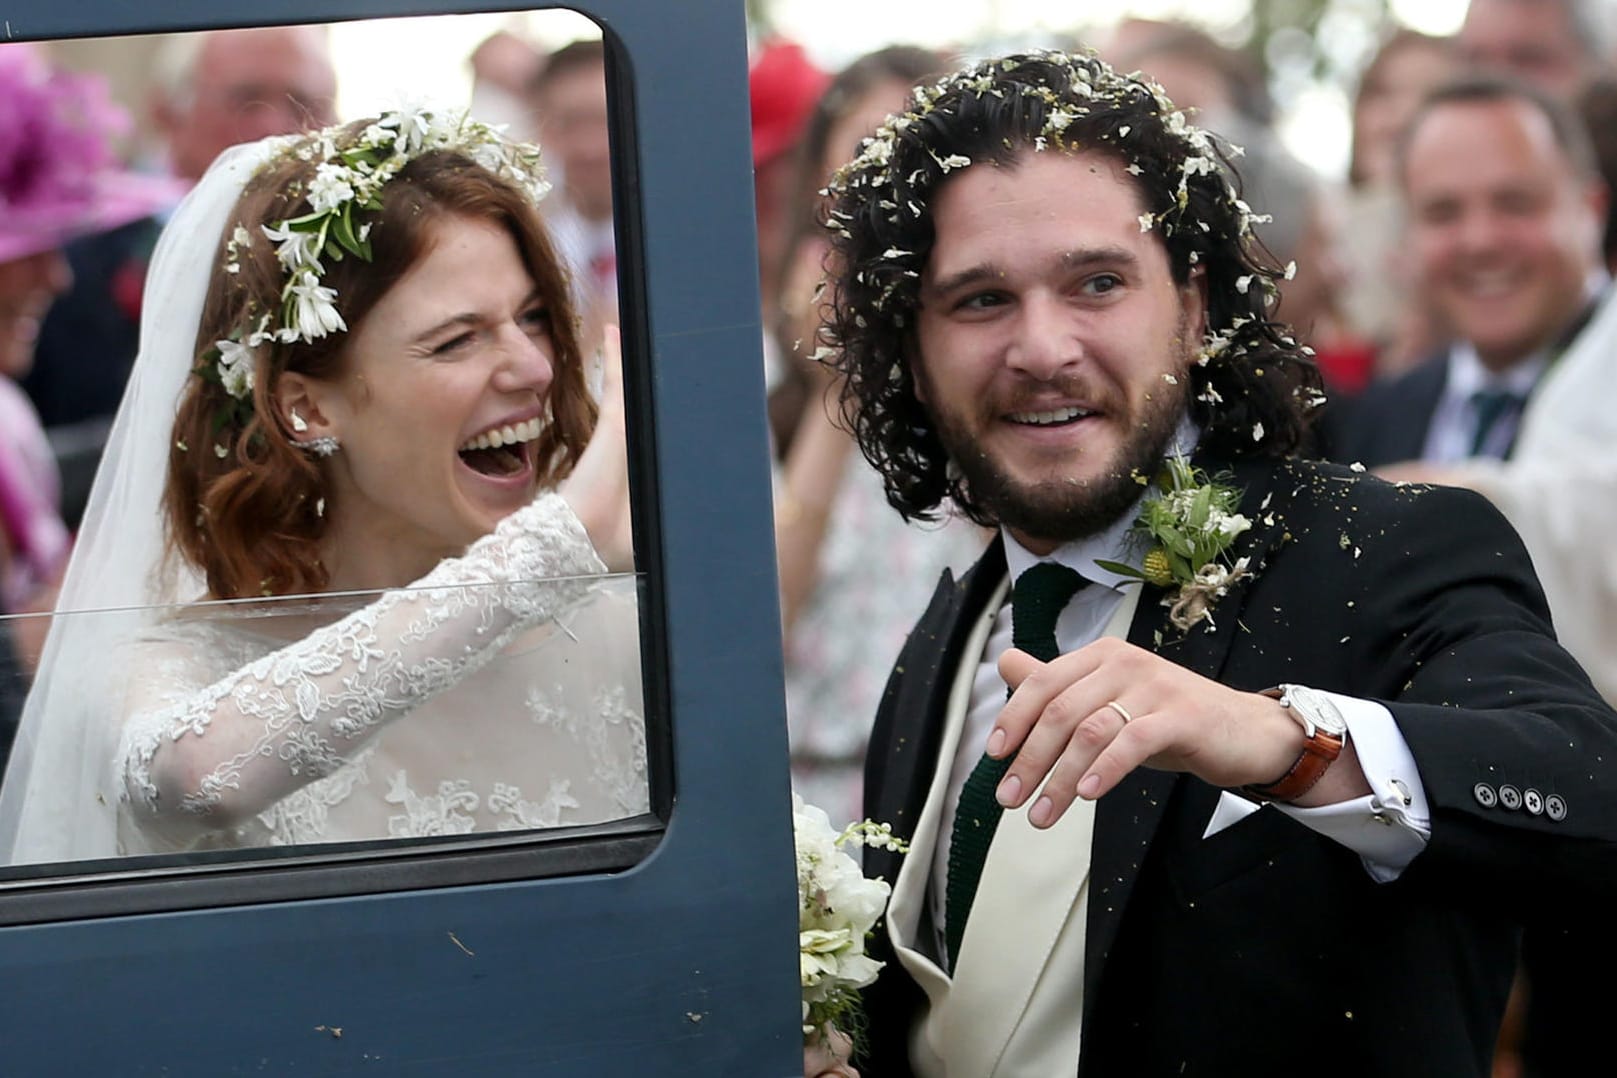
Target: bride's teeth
510,434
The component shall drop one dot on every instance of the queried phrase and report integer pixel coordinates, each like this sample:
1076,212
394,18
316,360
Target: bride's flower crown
349,177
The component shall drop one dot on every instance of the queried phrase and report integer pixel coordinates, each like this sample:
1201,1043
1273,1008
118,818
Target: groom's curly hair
1257,386
244,504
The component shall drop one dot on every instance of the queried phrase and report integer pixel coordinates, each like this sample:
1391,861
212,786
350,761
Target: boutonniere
1188,526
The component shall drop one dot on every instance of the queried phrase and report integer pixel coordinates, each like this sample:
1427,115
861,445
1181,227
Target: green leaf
1175,541
342,228
1200,506
1182,570
1120,569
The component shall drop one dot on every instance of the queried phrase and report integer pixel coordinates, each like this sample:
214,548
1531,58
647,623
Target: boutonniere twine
837,910
1188,527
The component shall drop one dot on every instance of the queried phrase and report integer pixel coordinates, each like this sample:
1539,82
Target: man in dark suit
1506,213
1274,810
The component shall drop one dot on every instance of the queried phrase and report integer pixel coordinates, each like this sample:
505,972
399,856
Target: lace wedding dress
499,692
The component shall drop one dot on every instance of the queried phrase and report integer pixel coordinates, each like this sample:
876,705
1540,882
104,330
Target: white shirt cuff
1386,828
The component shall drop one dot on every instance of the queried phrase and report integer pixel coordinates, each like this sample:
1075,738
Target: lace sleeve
223,753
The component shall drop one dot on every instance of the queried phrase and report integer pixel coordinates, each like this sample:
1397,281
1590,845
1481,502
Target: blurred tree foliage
1313,38
759,17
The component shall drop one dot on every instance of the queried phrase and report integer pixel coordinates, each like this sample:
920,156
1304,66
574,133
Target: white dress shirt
1386,828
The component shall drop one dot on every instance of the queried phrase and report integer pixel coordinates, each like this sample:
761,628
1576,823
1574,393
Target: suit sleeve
1515,747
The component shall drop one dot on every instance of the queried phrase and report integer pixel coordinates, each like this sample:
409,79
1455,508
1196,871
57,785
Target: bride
359,373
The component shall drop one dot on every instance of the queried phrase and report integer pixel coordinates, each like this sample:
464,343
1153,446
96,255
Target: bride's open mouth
504,452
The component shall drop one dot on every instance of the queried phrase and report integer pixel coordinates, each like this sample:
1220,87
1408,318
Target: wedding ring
1122,712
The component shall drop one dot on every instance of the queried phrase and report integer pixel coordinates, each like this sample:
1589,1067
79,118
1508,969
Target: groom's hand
1090,717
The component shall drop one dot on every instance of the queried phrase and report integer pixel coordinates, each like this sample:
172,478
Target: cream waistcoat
1014,1003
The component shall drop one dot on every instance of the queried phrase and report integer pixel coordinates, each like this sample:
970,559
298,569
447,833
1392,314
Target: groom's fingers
1015,665
1035,685
1056,722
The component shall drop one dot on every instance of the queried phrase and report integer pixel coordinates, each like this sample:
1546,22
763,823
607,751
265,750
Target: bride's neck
358,559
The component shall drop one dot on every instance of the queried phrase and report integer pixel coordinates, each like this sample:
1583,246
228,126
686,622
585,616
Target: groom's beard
1060,510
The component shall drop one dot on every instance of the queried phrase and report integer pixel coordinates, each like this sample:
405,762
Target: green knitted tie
1037,599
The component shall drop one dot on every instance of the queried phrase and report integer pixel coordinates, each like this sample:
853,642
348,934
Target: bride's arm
230,750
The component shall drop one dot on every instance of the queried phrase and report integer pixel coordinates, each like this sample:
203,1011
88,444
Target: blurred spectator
57,180
851,107
212,91
783,86
220,88
853,574
1196,71
504,65
1557,45
569,100
1406,67
1506,213
1379,301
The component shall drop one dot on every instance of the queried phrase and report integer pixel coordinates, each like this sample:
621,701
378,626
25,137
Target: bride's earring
323,446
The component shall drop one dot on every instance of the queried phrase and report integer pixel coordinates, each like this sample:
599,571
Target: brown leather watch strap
1319,752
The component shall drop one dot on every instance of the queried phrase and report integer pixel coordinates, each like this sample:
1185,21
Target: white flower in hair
409,125
297,251
316,309
330,188
489,156
235,368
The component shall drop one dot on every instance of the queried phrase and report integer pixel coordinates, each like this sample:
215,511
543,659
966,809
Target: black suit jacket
1268,948
1388,422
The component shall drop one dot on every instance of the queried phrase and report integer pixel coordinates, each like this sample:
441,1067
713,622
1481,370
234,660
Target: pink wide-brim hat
58,176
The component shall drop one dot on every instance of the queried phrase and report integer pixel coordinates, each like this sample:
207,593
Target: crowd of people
1000,304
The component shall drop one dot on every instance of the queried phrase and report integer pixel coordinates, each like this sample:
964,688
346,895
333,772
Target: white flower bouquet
837,909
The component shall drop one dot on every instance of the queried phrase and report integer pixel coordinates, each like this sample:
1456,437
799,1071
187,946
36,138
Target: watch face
1317,708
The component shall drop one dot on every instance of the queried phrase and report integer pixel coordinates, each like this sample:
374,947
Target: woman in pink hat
58,180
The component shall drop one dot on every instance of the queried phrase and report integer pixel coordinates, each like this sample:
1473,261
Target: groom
1276,810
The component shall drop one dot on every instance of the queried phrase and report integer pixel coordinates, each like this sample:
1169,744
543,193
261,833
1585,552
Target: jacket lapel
904,743
1127,819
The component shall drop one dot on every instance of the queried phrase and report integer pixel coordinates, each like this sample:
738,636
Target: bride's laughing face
438,408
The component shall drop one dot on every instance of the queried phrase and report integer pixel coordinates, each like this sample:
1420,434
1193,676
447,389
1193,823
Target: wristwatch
1326,732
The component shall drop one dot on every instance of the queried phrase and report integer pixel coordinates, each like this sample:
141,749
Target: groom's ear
303,407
